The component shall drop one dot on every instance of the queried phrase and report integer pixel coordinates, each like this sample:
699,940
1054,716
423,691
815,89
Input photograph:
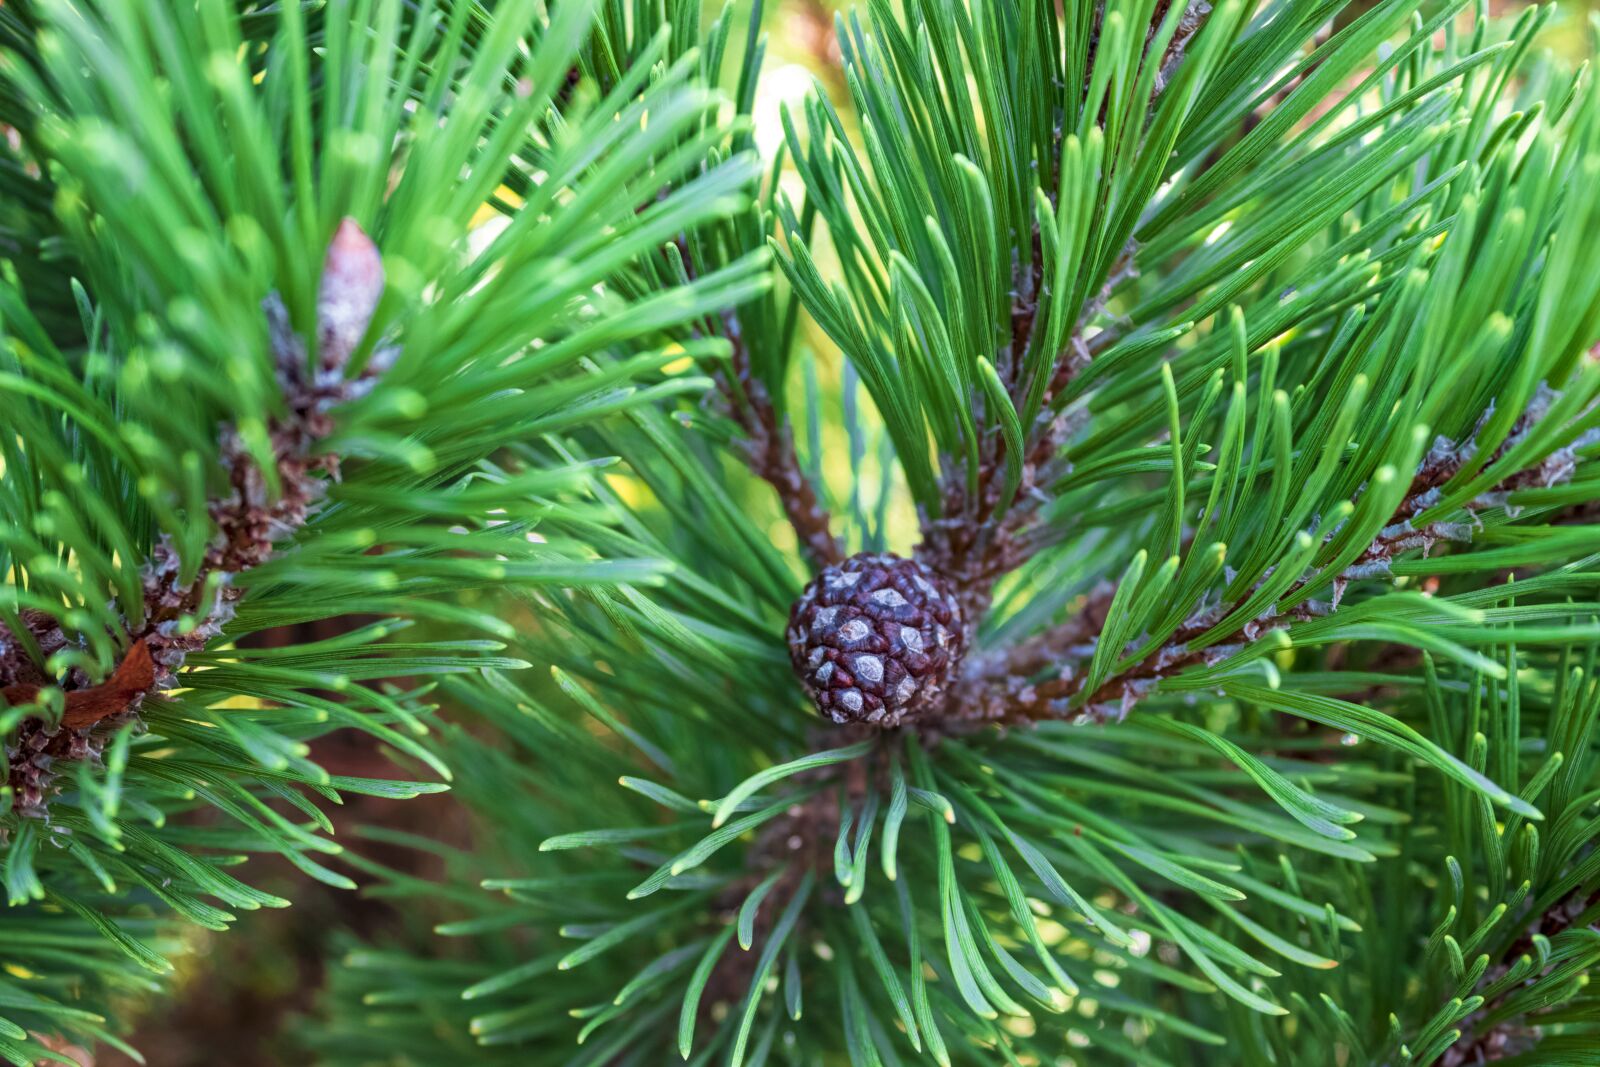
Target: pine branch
982,537
187,607
998,681
1510,1036
1009,694
1186,828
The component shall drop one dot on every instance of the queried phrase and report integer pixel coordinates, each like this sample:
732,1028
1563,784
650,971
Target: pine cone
876,639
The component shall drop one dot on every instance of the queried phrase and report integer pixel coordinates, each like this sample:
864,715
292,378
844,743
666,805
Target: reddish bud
352,283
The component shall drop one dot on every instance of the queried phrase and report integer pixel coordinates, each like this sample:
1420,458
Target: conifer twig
1009,693
768,445
769,450
1189,23
974,543
185,609
1509,1036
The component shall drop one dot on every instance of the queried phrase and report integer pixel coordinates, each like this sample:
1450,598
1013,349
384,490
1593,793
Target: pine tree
1165,635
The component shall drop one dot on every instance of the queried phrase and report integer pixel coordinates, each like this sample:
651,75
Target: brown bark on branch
769,450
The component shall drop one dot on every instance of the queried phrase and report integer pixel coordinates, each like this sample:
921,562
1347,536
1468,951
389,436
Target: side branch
1008,688
769,450
1488,1035
980,535
262,508
768,445
975,543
